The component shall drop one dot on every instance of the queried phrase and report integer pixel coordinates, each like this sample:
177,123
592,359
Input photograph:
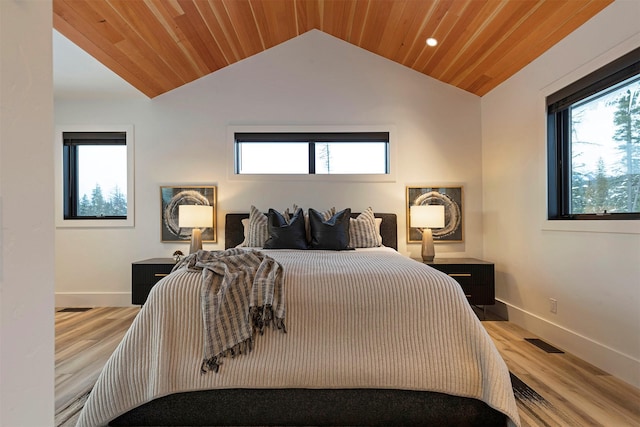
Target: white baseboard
93,299
611,361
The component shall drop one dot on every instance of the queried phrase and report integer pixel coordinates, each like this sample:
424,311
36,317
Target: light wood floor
84,342
574,392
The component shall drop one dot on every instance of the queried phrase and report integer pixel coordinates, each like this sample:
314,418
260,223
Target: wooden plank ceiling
158,45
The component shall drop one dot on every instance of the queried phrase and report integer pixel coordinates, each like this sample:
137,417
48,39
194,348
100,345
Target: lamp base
196,241
428,251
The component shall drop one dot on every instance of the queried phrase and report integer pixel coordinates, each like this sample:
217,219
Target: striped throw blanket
241,293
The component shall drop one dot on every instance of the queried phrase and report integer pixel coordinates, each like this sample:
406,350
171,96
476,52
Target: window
95,178
313,153
594,144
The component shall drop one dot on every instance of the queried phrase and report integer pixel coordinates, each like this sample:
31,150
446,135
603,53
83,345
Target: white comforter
355,319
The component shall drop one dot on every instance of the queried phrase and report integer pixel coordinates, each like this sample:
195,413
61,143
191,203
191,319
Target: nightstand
476,277
145,274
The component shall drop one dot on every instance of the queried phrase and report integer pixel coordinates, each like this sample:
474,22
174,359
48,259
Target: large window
95,178
594,144
95,175
326,153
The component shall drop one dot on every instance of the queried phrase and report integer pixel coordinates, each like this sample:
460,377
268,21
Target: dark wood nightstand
476,277
145,274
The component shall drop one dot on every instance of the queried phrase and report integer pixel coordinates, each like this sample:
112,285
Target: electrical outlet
553,305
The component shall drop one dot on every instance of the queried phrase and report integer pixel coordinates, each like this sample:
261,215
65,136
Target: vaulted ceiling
158,45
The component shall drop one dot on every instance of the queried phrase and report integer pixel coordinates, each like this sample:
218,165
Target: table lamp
426,217
195,217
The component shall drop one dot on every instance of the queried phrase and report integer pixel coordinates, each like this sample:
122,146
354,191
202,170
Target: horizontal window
594,145
326,153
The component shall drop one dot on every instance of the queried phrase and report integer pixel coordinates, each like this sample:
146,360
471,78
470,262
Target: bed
373,338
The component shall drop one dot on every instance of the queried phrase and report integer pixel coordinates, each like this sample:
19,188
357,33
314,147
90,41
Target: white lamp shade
427,216
195,216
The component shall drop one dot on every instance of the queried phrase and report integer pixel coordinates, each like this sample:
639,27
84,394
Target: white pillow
378,223
245,226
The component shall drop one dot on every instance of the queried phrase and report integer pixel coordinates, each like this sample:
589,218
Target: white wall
592,269
26,203
315,79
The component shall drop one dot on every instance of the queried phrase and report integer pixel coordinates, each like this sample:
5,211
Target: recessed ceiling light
432,42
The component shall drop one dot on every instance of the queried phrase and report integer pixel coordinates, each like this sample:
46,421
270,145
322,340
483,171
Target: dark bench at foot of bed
300,407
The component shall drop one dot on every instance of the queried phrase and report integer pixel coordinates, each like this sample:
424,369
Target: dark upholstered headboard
234,232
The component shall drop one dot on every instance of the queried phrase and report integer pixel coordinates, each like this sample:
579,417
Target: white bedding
355,319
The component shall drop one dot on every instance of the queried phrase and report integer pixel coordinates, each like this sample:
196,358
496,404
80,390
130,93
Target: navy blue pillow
283,234
331,234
